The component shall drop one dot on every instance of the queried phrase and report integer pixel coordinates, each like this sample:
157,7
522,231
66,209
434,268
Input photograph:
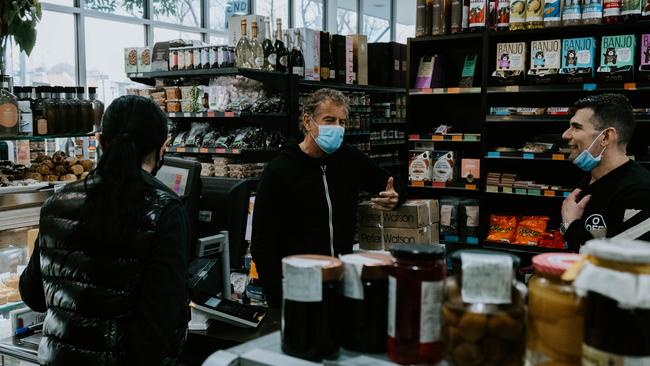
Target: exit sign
236,7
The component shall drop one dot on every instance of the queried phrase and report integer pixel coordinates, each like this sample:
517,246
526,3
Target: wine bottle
257,53
296,60
281,53
243,49
267,46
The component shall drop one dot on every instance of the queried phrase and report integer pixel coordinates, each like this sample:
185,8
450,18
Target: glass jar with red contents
415,286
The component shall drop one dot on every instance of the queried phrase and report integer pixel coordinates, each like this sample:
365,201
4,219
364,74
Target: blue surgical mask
330,137
585,160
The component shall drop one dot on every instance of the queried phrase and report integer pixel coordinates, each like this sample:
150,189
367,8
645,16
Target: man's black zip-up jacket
292,215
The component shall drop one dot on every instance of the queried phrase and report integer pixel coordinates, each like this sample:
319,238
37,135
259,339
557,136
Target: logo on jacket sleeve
596,225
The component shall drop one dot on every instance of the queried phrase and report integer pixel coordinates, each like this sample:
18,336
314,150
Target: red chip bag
502,228
552,239
530,228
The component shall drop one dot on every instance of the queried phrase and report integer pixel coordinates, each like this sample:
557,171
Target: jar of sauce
415,286
311,290
364,304
555,313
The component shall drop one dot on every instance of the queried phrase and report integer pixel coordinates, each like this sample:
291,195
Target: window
405,21
123,7
105,59
346,17
274,9
166,34
53,59
221,10
308,13
60,2
218,40
376,20
185,12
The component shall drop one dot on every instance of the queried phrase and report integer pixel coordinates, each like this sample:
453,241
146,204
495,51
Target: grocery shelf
219,151
454,239
443,185
218,114
350,87
431,91
568,88
528,192
19,137
448,37
357,133
386,123
526,156
532,249
385,144
521,119
461,137
390,164
149,77
582,29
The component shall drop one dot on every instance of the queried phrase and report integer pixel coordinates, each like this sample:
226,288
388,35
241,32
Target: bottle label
300,71
272,59
41,126
534,11
259,62
503,14
430,303
477,13
517,11
392,308
611,8
332,74
592,10
594,357
552,11
571,10
324,73
8,115
283,60
631,7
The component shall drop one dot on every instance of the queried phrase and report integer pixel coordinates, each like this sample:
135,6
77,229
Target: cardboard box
470,170
411,214
374,238
130,60
144,59
339,56
645,52
578,53
325,72
403,70
234,28
617,52
545,55
160,53
310,51
511,56
360,58
349,60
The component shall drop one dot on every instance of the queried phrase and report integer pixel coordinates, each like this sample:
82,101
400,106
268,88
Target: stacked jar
555,313
483,313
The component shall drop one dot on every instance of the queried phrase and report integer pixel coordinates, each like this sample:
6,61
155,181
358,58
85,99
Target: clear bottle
98,108
518,14
571,13
9,116
257,53
267,45
296,60
40,107
612,11
281,53
592,12
243,48
535,14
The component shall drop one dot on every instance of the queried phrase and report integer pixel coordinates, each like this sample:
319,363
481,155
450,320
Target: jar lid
619,250
456,256
375,265
554,264
418,251
331,268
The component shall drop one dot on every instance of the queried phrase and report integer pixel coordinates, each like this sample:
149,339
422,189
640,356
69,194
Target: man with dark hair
614,199
306,202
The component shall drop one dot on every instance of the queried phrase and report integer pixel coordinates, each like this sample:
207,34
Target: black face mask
159,165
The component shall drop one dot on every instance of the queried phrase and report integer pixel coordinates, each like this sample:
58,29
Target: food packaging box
545,57
617,55
324,57
645,52
130,60
234,28
411,214
339,55
420,165
349,60
470,170
374,238
360,58
160,53
511,56
578,55
144,59
310,51
444,166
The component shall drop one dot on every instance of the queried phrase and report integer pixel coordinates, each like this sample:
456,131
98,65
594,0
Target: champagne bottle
280,49
296,60
267,46
257,53
243,49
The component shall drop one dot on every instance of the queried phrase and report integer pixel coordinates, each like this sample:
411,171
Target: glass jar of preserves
617,303
483,313
415,285
364,302
311,289
555,313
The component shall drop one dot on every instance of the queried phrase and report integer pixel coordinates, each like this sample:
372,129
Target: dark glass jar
415,286
87,115
310,327
364,304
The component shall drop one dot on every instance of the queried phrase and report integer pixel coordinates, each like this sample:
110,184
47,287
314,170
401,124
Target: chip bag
552,239
502,228
530,228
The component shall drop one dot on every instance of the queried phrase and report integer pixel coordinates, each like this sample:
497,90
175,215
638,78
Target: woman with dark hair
110,263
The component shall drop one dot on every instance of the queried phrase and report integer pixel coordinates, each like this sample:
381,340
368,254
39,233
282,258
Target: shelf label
629,86
235,151
472,240
507,189
417,183
492,189
590,86
437,138
220,151
549,193
494,154
425,91
512,88
180,149
534,192
471,187
528,156
450,238
521,191
139,75
566,194
557,156
438,90
210,114
414,137
456,138
229,114
203,150
455,90
187,114
439,184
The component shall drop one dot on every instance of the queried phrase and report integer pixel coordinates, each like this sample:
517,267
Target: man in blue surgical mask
613,200
306,202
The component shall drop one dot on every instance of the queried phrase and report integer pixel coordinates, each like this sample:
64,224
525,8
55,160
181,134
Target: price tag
451,238
589,87
629,86
472,240
528,156
453,90
471,187
494,154
180,149
203,150
534,192
210,114
235,151
426,91
557,156
414,137
417,183
492,189
439,185
549,193
521,191
220,151
187,114
229,114
456,138
507,190
439,91
487,278
512,88
437,138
